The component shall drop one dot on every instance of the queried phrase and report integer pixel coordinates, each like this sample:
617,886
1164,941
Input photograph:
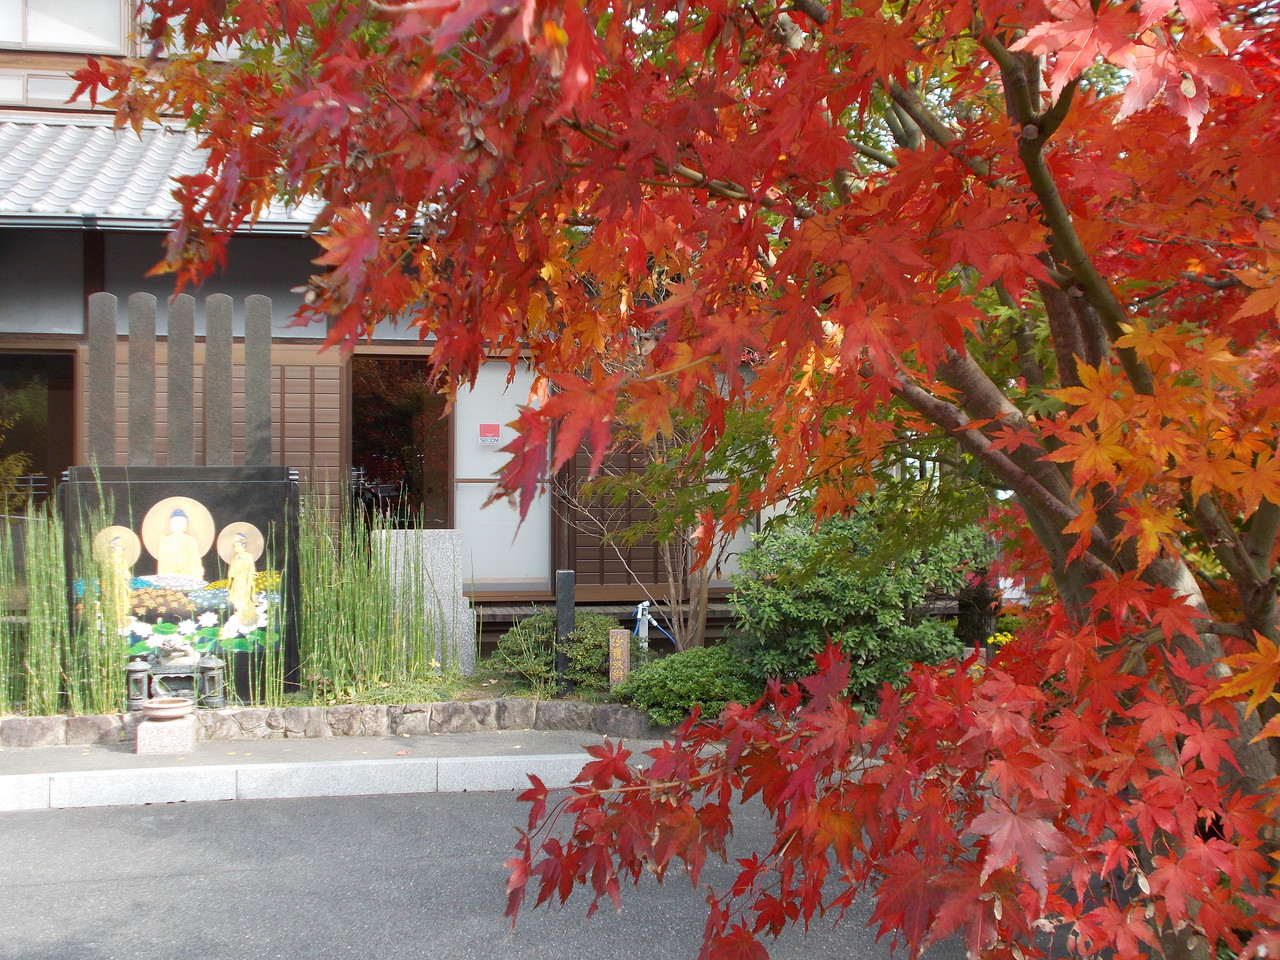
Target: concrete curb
104,788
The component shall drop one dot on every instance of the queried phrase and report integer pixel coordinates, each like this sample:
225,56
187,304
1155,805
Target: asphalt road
354,877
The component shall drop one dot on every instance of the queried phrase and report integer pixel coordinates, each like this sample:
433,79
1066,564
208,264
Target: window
85,26
399,440
36,396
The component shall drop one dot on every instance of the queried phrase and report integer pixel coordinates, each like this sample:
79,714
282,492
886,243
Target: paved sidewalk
41,778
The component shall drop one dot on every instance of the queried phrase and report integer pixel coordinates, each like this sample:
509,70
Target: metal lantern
137,683
211,680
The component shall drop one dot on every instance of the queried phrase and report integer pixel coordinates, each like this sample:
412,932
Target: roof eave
136,224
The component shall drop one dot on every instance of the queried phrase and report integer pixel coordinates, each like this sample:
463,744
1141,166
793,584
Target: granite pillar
142,380
426,566
217,381
181,381
100,423
257,381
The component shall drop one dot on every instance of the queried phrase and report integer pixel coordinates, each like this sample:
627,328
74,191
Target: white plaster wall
266,265
498,551
41,282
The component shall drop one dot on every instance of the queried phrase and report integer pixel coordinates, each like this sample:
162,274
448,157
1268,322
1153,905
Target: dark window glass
36,400
399,440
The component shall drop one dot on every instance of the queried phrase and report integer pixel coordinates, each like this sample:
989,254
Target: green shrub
710,677
527,652
801,588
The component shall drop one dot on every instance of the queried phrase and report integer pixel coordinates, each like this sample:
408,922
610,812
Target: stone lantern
211,682
137,683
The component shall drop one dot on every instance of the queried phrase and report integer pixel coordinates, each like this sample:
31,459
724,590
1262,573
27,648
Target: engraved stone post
619,656
101,420
181,392
217,381
142,380
426,568
257,381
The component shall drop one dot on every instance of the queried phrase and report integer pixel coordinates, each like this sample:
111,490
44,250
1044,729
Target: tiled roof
57,172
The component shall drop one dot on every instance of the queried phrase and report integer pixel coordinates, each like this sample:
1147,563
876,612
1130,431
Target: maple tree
1036,238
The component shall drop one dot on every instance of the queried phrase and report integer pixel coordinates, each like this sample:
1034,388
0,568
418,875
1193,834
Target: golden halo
102,544
255,543
155,525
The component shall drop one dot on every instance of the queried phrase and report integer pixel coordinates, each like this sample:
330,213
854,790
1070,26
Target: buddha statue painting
240,545
119,575
178,532
116,550
179,553
240,585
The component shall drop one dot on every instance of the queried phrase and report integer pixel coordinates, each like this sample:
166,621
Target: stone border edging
348,720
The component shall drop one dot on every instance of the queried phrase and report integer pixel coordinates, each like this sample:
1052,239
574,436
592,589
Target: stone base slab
166,736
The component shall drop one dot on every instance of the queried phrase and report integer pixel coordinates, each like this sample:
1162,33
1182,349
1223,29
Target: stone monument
201,555
426,566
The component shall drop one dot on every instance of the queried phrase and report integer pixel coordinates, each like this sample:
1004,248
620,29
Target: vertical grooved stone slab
257,381
217,381
181,376
427,568
142,380
100,422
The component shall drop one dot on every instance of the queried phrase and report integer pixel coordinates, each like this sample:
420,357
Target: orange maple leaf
1264,299
1261,674
649,405
1260,482
1093,456
1149,526
1095,397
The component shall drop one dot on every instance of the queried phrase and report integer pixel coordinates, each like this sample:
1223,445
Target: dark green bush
801,588
527,652
708,676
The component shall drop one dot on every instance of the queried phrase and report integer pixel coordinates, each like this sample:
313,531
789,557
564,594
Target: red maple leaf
1022,836
608,767
523,473
738,944
584,410
1080,36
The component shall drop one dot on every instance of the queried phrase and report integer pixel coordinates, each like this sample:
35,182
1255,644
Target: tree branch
983,399
1248,568
1020,481
871,153
905,131
932,127
1091,283
1017,88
